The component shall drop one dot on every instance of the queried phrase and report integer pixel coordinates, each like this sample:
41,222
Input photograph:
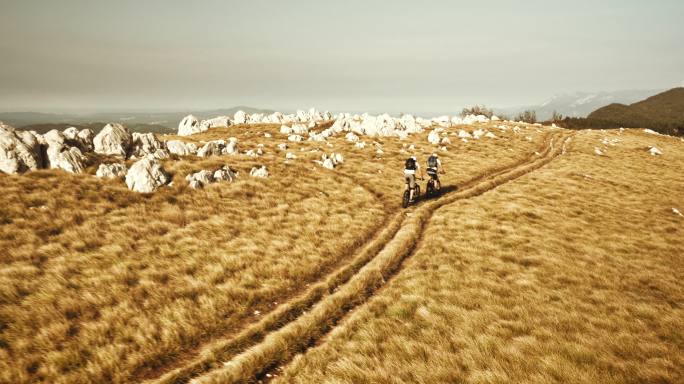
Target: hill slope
663,112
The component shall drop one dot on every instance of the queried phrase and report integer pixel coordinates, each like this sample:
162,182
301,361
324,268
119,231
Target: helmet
435,155
414,158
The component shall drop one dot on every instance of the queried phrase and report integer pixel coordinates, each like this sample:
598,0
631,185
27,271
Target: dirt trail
298,324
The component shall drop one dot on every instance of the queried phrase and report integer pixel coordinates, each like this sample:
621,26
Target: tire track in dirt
403,236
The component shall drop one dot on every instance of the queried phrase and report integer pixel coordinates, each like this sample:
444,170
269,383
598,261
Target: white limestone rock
654,151
282,146
146,175
190,125
85,139
180,148
17,156
433,137
360,145
295,138
200,179
261,172
231,147
62,156
328,163
225,173
111,171
290,156
240,117
114,139
145,144
211,148
478,133
216,122
464,135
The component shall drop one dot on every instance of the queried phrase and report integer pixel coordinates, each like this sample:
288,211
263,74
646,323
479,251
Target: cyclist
434,165
410,168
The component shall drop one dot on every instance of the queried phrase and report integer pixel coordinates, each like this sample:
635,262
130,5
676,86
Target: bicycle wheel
430,189
405,201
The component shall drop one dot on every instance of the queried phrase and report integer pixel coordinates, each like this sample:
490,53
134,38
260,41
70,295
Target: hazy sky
410,56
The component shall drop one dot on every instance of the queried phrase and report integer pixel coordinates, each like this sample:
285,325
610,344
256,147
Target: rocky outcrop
146,175
200,179
180,148
224,173
19,152
114,139
111,171
190,125
60,155
240,117
203,178
216,122
145,144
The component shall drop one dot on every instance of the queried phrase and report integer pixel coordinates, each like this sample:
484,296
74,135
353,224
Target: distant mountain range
136,121
578,104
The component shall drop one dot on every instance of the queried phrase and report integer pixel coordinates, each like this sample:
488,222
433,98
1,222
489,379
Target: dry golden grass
99,284
572,273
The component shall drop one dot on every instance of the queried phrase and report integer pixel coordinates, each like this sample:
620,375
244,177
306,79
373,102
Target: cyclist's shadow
445,190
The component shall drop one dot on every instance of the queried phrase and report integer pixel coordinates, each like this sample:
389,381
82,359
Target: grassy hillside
572,273
100,284
663,112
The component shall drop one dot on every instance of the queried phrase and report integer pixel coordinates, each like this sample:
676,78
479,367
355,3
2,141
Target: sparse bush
555,117
477,110
527,116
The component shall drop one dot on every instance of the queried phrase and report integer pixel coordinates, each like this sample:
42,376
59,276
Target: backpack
410,164
432,162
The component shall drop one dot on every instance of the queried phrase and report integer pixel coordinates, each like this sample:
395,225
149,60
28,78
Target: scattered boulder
216,122
360,145
225,173
433,137
190,125
285,130
490,135
290,156
445,141
282,146
17,156
231,147
261,172
598,151
295,138
351,137
177,147
200,179
145,144
240,117
218,147
203,178
478,133
114,139
464,135
146,175
111,171
62,156
328,163
654,151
